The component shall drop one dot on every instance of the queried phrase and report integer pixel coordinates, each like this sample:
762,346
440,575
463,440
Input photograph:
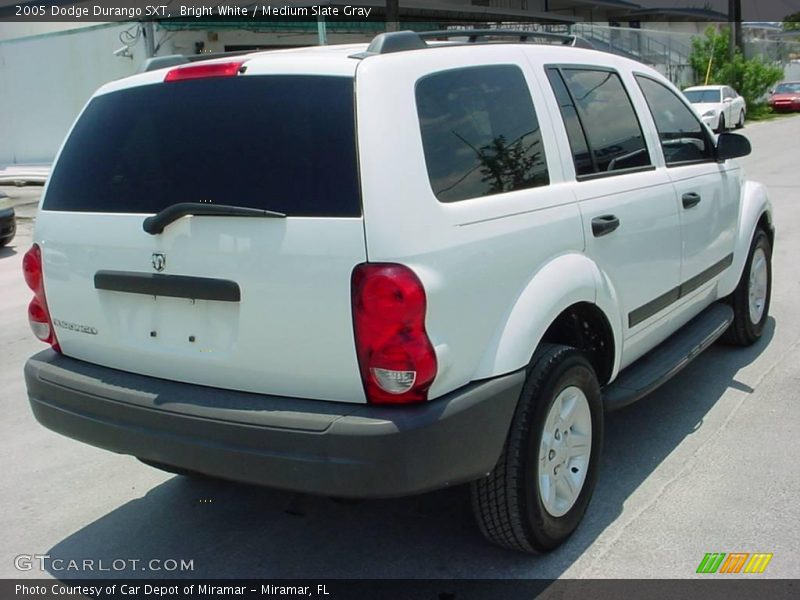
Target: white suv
373,272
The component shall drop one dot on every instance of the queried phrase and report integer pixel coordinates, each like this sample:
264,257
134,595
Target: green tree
792,22
713,47
750,77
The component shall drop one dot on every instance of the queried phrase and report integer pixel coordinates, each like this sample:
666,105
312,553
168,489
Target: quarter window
612,132
480,132
683,138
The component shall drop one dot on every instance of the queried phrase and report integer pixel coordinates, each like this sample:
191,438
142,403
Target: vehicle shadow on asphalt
239,531
6,251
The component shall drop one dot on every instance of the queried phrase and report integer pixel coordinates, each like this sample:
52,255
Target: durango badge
159,261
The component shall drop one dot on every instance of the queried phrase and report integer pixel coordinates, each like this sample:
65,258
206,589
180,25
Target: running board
660,364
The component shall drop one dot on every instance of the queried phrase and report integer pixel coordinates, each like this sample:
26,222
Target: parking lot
708,463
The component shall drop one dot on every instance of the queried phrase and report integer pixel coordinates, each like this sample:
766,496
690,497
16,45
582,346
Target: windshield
788,88
284,143
702,96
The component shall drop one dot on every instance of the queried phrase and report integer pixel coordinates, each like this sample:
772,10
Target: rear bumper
347,450
788,106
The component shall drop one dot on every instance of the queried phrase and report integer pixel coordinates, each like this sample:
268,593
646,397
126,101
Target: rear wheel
740,122
537,494
750,300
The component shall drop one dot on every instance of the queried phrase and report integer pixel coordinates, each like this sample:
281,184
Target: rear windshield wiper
156,224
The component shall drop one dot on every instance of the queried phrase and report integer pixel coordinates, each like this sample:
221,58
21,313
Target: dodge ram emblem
159,261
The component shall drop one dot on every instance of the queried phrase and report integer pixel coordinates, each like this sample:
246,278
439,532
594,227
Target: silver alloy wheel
564,451
757,288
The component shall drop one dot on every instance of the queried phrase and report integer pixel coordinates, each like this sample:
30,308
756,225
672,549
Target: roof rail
172,60
402,41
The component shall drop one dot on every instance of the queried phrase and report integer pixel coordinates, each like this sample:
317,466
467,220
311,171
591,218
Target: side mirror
771,92
732,145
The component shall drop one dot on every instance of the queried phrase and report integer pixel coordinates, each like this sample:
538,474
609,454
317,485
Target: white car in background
719,106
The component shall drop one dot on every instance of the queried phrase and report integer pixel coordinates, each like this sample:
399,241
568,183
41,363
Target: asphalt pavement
708,463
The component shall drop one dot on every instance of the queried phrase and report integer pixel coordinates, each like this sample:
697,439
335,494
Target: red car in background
785,96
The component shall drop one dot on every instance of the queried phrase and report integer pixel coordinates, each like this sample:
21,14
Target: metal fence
782,51
666,51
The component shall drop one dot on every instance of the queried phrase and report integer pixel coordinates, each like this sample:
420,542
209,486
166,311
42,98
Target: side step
667,359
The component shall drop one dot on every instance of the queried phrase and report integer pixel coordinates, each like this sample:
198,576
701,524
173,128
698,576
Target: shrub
752,78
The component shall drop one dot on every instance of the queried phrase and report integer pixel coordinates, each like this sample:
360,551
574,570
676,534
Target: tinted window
577,137
683,138
285,143
480,132
702,96
612,130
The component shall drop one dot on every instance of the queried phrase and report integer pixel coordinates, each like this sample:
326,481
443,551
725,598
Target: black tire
9,239
740,122
721,124
743,331
174,470
507,503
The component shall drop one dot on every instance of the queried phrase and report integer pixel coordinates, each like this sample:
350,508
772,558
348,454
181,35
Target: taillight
204,71
38,314
396,358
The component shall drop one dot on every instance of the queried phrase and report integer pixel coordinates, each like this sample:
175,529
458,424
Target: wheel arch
756,211
584,326
568,301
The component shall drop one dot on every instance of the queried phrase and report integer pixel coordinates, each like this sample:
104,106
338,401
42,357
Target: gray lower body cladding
328,448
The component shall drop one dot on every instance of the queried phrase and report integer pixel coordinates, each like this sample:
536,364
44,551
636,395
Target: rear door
628,207
247,303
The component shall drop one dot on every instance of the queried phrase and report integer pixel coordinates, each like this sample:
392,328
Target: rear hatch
258,304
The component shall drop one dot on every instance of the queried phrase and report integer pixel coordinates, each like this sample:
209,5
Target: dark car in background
785,96
8,220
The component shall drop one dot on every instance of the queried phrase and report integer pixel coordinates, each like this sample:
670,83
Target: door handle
604,225
690,199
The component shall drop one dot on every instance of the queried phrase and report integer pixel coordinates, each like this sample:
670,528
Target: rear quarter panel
477,258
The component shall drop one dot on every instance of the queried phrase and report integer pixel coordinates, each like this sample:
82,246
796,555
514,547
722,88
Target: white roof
336,60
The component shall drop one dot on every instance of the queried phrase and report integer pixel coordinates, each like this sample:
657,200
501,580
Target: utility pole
392,15
735,23
149,39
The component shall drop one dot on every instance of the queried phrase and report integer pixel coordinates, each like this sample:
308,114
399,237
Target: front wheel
721,123
537,494
750,300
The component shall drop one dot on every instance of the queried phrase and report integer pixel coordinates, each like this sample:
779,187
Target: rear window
282,143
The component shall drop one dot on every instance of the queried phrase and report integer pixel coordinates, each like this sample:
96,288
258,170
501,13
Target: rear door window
480,132
584,165
277,142
598,102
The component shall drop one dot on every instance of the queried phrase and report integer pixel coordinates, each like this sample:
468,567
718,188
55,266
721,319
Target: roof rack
402,41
